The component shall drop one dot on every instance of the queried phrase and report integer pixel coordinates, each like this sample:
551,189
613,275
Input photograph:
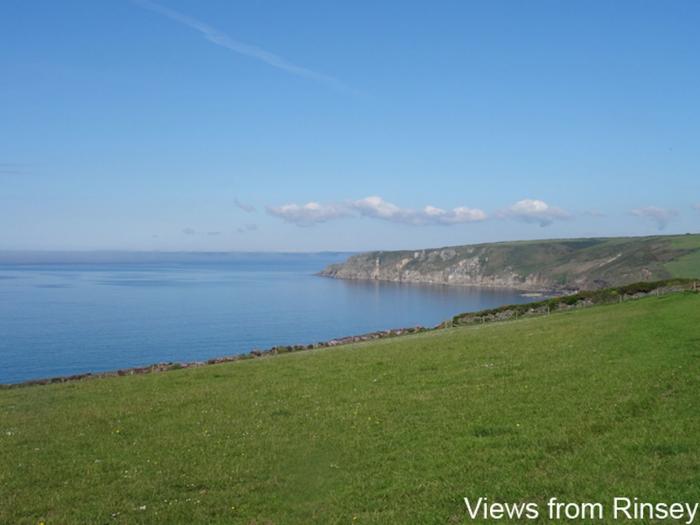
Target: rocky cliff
554,265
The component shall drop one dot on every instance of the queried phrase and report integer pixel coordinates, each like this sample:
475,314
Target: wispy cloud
248,208
376,208
247,228
535,211
220,38
12,168
660,216
696,206
594,213
192,231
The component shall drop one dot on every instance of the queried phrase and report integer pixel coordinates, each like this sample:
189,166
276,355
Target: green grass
688,265
686,242
583,405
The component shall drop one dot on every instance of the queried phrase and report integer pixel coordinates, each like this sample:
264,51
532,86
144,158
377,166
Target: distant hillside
554,265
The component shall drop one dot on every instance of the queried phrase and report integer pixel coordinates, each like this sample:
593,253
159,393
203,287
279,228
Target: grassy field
582,405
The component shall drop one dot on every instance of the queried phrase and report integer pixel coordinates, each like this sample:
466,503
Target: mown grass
583,405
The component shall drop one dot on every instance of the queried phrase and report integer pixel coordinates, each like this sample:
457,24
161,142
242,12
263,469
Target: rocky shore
256,353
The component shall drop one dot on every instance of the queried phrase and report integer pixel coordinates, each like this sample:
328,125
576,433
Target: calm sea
60,319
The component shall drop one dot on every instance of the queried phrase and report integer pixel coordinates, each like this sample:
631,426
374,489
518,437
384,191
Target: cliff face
576,264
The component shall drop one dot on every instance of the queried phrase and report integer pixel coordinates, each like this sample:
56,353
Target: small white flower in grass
142,507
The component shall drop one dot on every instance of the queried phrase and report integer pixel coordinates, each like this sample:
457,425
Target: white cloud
376,208
659,216
309,213
455,216
535,211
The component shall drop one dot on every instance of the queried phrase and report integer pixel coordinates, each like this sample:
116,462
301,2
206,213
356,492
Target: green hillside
583,405
560,264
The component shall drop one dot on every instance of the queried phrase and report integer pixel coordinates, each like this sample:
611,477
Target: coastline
253,354
510,312
523,291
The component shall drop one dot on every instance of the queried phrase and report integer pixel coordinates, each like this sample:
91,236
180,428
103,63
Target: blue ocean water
61,319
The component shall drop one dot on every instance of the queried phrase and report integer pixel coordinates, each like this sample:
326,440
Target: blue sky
315,125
